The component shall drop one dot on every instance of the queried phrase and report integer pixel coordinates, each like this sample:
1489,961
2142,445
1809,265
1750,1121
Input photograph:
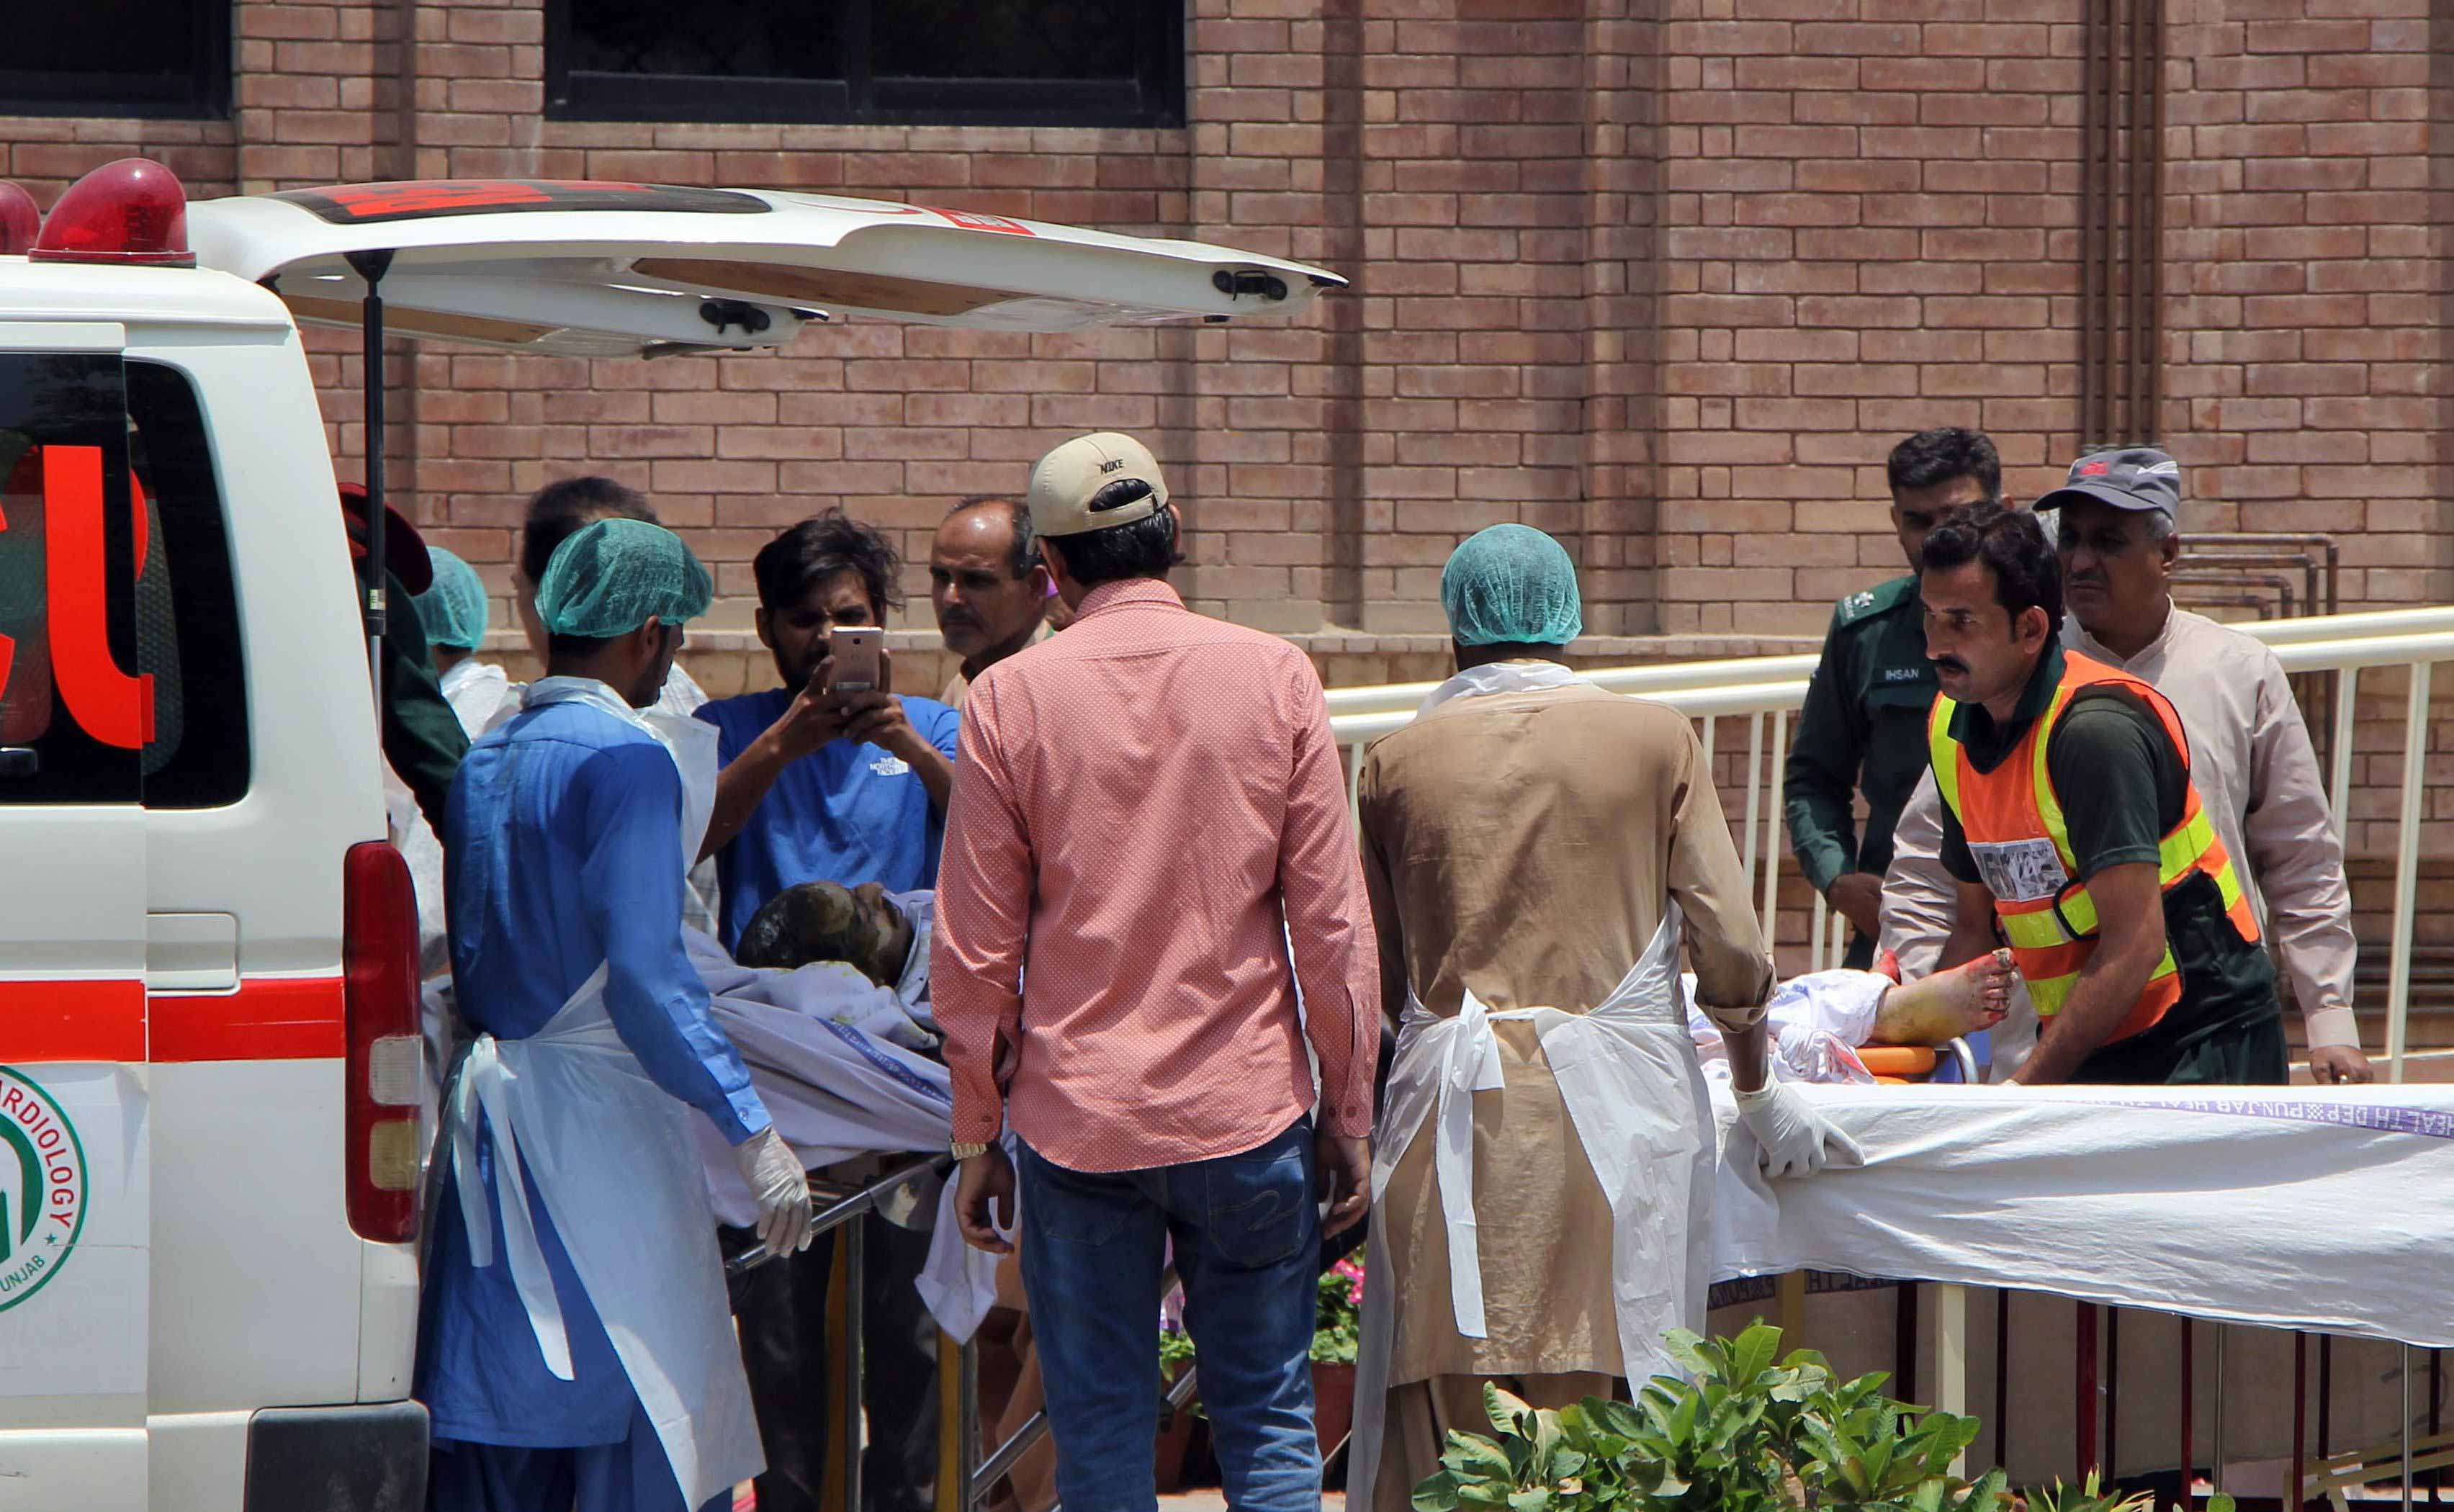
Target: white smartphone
855,650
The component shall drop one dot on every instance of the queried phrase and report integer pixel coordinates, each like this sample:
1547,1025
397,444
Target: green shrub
1749,1433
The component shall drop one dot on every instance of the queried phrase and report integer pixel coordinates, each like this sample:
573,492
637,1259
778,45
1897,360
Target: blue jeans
1247,1241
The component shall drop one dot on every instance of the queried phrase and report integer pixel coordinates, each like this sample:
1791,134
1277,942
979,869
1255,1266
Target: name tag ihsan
2020,871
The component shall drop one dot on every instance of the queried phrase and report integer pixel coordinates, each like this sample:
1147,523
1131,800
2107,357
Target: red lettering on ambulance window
426,197
114,708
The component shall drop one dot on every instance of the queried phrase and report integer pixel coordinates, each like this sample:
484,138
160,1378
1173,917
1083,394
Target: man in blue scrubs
820,786
573,1344
848,788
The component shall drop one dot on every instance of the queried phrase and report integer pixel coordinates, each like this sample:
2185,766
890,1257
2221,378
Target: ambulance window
72,711
186,609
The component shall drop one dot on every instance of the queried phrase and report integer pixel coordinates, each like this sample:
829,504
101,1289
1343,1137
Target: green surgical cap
1511,583
454,610
611,578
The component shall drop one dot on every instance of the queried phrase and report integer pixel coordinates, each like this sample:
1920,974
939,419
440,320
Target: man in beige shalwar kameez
1527,840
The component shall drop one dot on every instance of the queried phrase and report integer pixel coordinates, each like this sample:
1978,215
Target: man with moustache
2071,826
2250,754
991,590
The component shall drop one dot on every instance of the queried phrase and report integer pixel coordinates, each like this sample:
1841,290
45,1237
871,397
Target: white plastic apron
614,1160
1628,1074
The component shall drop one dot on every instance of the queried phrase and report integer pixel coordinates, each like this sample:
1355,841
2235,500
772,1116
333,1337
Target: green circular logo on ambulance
42,1187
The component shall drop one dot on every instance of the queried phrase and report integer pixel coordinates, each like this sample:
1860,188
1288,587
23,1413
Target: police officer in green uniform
1863,723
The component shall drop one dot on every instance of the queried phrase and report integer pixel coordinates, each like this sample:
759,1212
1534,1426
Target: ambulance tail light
385,1051
132,213
21,220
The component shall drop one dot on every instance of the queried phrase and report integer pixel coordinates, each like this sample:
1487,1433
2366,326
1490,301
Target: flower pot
1174,1447
1333,1404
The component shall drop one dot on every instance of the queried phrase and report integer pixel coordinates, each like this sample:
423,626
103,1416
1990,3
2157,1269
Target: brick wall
1665,278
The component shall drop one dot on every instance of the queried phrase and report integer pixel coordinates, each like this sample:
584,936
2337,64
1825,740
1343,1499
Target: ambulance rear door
607,269
75,1114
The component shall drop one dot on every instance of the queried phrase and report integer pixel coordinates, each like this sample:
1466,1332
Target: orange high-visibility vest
2016,832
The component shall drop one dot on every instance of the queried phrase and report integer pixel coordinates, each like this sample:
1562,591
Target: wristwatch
965,1149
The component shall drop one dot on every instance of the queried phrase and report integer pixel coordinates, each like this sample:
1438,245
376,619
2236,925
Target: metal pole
2001,1375
1904,1330
371,265
2188,1403
1755,793
2436,1418
2325,1395
2407,1425
2085,1392
2216,1451
2113,1391
854,1240
1950,1356
2340,787
2406,865
2299,1421
1773,824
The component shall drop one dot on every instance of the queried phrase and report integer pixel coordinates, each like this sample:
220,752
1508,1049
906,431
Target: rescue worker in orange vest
2071,827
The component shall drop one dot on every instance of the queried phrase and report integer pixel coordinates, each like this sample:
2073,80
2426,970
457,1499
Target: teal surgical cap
611,578
1511,583
454,610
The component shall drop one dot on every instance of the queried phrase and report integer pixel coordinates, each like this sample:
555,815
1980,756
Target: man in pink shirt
1150,814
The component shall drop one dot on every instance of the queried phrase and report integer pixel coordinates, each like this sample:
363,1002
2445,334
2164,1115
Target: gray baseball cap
2137,477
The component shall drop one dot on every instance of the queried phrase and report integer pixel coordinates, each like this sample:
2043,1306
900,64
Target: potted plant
1337,1328
1746,1432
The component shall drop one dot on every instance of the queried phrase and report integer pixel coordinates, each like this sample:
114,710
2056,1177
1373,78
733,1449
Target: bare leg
1947,1005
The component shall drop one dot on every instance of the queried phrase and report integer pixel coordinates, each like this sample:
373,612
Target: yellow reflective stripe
2040,781
1943,753
2037,930
2178,852
2228,885
2078,909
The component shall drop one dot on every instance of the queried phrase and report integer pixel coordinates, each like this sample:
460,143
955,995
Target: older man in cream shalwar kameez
1536,847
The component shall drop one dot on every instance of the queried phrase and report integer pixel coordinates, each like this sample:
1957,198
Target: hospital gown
563,855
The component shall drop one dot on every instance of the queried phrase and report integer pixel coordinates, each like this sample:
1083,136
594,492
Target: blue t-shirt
849,814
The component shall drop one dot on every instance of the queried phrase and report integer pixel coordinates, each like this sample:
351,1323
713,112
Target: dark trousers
2240,1052
781,1307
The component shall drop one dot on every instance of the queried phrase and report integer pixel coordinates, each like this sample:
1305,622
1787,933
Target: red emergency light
21,220
132,213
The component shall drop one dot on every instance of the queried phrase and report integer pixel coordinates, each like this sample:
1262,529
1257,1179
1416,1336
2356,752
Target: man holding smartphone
833,777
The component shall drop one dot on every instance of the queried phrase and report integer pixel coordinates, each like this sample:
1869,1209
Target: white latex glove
781,1188
1796,1141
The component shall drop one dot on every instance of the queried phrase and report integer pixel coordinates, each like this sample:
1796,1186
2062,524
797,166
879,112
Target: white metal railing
1770,689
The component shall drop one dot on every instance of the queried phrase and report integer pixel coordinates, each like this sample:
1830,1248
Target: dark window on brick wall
159,59
906,62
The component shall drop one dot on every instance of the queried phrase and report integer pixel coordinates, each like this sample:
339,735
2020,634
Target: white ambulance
208,1032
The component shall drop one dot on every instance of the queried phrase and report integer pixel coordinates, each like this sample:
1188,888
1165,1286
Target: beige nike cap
1093,483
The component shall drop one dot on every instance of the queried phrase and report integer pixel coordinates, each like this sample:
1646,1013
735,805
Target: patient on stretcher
867,934
1821,1020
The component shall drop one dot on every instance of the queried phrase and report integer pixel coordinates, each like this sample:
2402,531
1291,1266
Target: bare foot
1948,1004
